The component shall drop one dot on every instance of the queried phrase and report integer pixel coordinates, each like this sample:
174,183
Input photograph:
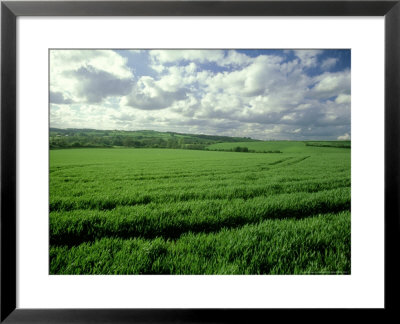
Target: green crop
130,211
314,245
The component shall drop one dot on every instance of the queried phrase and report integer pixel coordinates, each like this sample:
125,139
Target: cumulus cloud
94,85
58,98
329,84
343,98
344,137
220,57
148,95
170,56
268,94
83,75
105,60
329,63
308,58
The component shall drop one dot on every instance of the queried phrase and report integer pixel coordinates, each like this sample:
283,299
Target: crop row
129,196
171,220
315,245
104,180
139,171
102,183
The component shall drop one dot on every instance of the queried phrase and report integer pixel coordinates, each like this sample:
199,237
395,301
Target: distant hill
75,137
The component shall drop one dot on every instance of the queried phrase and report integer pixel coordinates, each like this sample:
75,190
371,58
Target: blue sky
264,94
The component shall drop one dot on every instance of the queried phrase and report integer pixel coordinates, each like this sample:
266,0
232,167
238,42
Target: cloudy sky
263,94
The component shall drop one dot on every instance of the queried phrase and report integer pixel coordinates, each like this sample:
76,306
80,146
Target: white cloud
94,85
100,69
265,96
343,98
260,77
148,95
308,58
329,63
220,57
331,84
104,60
345,137
173,56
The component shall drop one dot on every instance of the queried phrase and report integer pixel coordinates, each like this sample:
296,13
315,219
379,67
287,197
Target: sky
262,94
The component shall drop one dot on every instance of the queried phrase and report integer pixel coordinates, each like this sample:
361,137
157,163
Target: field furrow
315,245
170,220
132,211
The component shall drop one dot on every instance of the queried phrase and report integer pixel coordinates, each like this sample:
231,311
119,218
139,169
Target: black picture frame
10,10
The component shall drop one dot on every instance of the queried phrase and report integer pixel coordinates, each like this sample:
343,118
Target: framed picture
199,161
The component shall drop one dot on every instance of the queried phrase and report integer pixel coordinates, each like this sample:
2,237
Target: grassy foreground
170,211
315,245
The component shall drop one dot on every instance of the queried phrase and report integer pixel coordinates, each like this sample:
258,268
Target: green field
286,146
175,211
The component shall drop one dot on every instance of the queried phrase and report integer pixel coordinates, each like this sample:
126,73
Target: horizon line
138,130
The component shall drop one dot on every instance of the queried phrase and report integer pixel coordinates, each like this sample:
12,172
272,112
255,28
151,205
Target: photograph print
200,162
